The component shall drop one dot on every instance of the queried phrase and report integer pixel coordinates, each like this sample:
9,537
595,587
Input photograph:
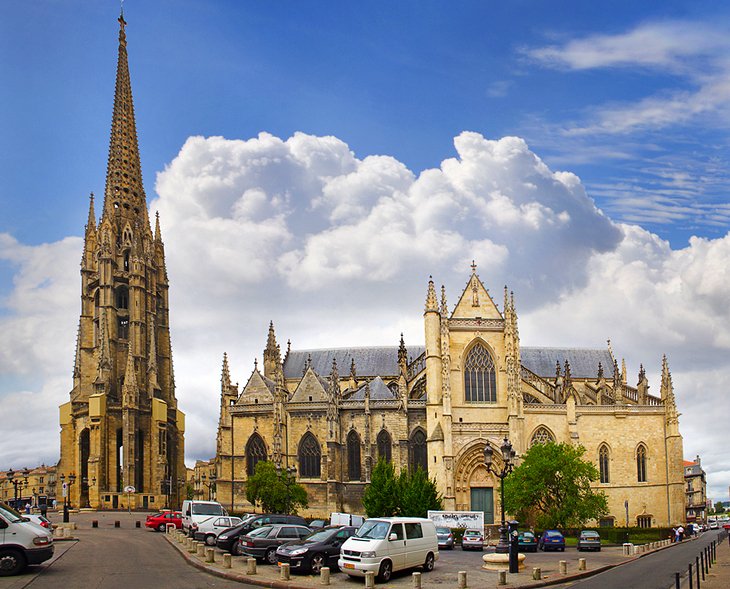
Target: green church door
482,499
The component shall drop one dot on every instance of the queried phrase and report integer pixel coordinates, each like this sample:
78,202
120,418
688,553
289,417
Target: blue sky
289,135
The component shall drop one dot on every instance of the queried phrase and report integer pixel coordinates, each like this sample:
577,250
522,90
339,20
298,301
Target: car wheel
386,570
210,540
11,562
428,565
271,556
235,550
562,549
161,528
317,563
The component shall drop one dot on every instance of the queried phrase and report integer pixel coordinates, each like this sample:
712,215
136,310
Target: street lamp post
17,483
86,484
290,473
66,502
211,484
508,459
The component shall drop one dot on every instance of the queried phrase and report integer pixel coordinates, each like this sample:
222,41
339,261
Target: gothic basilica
333,413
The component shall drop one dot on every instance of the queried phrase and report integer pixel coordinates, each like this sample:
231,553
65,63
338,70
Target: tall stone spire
124,193
91,221
431,303
272,354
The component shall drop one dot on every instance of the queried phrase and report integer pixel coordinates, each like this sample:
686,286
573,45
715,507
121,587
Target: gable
476,301
258,389
310,389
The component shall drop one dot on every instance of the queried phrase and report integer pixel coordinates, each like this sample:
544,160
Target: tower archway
475,488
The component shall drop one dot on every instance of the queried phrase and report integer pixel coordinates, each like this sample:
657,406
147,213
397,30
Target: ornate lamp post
508,459
86,484
211,484
67,492
290,474
17,483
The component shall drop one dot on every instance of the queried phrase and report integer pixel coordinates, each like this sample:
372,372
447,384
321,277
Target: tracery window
255,453
641,463
418,455
310,457
603,457
123,328
480,381
542,435
353,456
384,445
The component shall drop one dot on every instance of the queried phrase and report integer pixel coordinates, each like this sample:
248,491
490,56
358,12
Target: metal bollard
581,564
116,523
137,524
462,579
690,576
416,580
563,567
284,571
502,579
324,576
209,555
536,574
94,523
697,567
369,579
227,560
677,582
251,566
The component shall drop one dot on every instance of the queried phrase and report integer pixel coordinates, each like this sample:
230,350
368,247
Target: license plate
349,565
278,564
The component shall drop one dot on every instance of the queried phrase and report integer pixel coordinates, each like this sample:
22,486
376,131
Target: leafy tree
275,491
551,488
719,507
381,496
417,494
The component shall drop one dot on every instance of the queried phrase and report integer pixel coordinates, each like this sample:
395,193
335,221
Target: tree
417,494
719,507
276,491
381,496
551,488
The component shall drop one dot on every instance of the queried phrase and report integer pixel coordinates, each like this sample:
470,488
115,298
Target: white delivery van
196,511
388,544
22,542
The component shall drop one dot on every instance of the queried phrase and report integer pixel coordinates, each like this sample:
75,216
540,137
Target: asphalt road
654,571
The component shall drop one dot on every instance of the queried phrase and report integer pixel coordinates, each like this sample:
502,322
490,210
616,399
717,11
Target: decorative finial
473,267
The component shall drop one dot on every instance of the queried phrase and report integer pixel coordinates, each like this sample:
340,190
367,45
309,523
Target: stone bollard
502,578
369,579
227,560
66,532
563,567
250,566
537,574
285,572
117,523
628,549
190,544
462,579
581,564
416,580
324,576
171,528
200,548
94,523
209,555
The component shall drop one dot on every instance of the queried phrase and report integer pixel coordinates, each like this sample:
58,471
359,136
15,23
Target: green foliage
410,494
189,491
551,488
381,496
273,491
719,507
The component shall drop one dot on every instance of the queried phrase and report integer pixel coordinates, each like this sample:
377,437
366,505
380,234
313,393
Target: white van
196,511
388,544
346,519
22,542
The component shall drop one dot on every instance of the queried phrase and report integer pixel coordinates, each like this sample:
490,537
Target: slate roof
378,390
375,361
583,362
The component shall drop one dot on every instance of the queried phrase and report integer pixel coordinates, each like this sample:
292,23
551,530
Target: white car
208,529
38,519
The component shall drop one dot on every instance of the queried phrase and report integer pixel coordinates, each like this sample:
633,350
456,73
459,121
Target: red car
159,521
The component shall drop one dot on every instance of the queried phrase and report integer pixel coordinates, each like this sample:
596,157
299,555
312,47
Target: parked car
228,539
319,549
256,521
208,529
262,543
726,525
472,540
22,542
589,540
317,524
38,519
551,540
159,521
526,542
194,511
714,525
445,538
388,544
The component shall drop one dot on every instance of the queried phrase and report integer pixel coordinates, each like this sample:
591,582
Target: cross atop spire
124,193
473,267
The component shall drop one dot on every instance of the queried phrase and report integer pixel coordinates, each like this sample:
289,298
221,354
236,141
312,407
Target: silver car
445,538
589,540
472,540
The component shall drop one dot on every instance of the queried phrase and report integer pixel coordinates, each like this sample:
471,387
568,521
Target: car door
414,545
335,545
397,546
287,534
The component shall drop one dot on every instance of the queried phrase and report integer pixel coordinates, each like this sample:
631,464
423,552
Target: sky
313,163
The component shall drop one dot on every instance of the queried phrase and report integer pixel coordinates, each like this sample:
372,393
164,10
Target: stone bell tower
122,428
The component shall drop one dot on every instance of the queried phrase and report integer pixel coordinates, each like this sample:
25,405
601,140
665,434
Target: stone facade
696,490
331,413
35,485
122,428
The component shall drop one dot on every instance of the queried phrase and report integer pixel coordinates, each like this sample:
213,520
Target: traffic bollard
563,567
209,555
201,548
137,524
416,580
676,581
94,523
502,579
369,580
697,568
536,574
116,523
251,566
284,571
581,564
690,576
462,579
324,576
227,560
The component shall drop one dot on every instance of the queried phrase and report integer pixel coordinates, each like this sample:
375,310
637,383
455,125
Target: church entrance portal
482,499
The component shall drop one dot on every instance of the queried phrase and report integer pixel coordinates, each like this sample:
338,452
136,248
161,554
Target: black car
256,521
262,543
228,539
319,549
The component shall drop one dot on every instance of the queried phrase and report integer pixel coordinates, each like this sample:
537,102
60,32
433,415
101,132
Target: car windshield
472,533
553,534
527,534
207,509
589,534
321,536
373,530
443,531
10,514
260,531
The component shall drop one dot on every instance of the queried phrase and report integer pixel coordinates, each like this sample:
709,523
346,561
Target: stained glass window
480,382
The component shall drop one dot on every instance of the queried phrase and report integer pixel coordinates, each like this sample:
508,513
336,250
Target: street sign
64,491
129,489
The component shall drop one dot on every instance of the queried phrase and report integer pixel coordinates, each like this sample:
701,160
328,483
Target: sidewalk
719,575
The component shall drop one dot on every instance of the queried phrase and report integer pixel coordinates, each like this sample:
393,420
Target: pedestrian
676,534
27,508
44,509
54,504
680,533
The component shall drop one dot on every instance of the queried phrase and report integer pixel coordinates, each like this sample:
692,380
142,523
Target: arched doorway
476,489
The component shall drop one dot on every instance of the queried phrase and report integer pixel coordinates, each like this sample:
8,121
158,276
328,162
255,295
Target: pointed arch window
418,455
603,459
310,457
255,453
353,456
384,445
542,435
480,381
641,463
125,261
122,297
123,328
